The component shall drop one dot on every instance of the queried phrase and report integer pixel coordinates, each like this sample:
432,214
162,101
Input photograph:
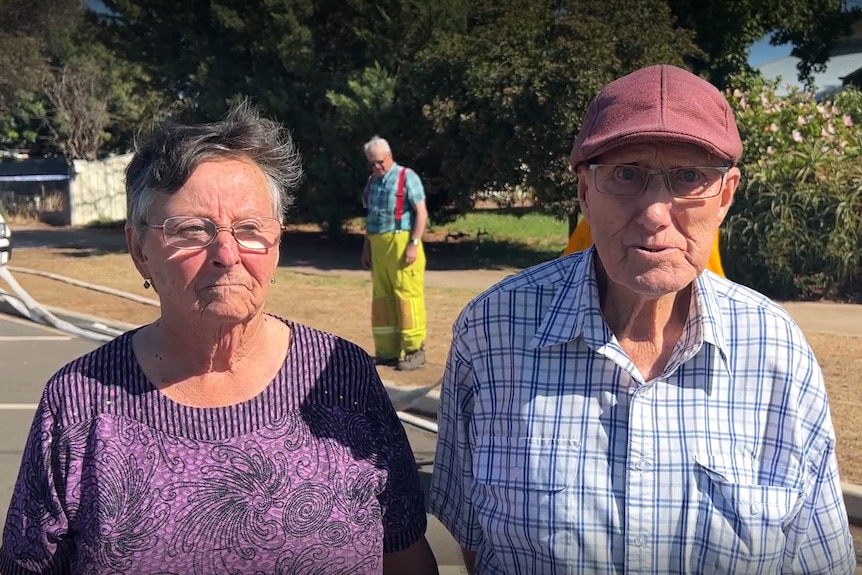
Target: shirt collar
709,314
575,310
392,170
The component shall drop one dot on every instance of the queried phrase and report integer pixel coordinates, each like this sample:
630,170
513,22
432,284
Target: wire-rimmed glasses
196,233
684,182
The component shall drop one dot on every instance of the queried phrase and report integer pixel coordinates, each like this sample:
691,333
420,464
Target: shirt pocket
741,526
523,488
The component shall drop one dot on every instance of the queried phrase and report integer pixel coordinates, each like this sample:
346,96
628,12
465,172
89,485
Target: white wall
96,190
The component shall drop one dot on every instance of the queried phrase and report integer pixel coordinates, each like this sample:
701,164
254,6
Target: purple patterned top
312,476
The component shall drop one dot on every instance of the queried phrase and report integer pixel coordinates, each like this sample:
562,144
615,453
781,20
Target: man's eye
691,176
627,173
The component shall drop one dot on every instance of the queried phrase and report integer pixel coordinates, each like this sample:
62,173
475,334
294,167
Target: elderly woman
219,438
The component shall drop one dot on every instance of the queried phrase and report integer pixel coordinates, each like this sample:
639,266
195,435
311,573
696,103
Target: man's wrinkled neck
638,317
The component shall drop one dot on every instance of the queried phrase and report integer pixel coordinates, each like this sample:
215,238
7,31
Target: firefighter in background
581,239
395,200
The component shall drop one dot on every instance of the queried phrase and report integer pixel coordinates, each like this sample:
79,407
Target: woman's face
222,283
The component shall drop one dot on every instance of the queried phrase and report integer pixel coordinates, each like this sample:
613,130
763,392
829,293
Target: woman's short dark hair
164,162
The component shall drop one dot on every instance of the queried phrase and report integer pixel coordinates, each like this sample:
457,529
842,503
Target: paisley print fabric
313,476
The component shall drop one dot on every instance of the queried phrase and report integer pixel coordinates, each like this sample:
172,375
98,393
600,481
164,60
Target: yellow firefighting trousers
398,298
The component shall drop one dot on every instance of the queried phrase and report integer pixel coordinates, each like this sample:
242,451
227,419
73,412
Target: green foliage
479,96
72,96
518,225
498,104
361,109
21,123
32,32
795,230
503,238
314,65
726,30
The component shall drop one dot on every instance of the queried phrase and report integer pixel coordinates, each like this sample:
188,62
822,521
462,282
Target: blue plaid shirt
554,456
379,200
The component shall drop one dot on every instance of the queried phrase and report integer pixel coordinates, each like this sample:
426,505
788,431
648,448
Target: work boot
386,361
412,360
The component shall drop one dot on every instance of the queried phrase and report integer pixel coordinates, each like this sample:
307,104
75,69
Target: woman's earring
147,283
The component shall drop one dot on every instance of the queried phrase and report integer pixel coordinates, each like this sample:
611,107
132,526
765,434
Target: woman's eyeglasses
195,233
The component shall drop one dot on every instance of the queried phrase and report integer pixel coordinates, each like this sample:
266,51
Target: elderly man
395,200
622,410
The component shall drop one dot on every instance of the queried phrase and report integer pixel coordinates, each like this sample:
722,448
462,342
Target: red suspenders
399,197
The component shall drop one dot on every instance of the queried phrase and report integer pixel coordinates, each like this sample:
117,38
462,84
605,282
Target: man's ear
583,175
136,251
731,182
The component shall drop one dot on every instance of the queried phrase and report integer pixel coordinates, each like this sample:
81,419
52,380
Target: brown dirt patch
341,305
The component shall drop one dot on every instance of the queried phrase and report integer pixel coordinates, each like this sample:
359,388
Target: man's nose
657,201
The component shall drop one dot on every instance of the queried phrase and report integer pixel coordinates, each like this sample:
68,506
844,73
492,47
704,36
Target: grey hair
376,143
163,163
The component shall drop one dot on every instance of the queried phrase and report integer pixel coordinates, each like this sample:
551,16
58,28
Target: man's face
379,161
654,243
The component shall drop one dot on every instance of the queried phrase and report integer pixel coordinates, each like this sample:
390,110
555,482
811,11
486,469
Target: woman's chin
220,313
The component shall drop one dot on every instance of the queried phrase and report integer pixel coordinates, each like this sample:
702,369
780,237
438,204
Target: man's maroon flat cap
658,104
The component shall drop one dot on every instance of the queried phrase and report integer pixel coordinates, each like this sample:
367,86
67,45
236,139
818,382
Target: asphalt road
30,354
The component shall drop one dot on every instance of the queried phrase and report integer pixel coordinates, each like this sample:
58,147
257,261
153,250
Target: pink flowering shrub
795,230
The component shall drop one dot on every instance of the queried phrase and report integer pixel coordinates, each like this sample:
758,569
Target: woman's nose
224,248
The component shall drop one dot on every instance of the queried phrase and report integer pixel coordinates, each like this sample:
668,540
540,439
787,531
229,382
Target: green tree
477,95
725,31
61,91
498,105
32,32
32,35
300,60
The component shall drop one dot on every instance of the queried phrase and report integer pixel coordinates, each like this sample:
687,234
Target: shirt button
755,508
640,541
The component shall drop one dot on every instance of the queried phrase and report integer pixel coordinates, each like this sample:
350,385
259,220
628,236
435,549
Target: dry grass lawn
341,306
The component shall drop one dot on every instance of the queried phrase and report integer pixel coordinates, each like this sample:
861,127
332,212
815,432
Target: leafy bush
795,231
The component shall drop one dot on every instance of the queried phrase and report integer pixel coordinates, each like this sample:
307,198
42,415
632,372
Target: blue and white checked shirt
554,456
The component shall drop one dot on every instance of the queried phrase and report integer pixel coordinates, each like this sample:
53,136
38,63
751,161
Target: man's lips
653,249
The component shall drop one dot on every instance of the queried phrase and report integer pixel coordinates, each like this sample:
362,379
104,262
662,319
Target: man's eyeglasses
685,182
195,233
376,163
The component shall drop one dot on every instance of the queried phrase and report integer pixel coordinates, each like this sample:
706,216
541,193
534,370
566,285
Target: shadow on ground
307,248
319,250
75,242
